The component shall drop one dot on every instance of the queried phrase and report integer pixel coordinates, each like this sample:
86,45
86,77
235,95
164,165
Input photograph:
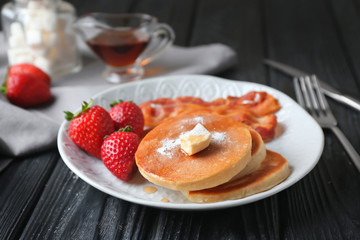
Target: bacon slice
255,109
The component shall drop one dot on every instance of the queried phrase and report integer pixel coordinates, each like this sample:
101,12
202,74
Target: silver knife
325,88
4,162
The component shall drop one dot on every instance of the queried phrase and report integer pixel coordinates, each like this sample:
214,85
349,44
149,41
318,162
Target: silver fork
312,99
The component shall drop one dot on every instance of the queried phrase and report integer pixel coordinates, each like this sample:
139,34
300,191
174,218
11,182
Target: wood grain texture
237,24
21,186
68,208
319,48
40,198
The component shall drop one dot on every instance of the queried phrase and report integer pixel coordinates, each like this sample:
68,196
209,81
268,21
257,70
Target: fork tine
308,87
322,100
305,93
298,93
311,91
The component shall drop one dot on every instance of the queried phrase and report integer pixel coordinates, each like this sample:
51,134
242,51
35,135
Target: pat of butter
196,140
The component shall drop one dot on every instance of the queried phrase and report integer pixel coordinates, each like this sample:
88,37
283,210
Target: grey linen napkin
24,132
27,131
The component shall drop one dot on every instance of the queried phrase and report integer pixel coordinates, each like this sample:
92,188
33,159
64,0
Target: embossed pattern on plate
293,140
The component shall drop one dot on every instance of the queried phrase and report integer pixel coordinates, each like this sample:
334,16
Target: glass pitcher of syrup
125,42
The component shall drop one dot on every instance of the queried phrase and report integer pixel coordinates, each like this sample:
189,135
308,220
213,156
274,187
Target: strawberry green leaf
115,102
3,86
85,106
125,129
68,115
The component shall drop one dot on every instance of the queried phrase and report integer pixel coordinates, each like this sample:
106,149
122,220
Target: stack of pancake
236,164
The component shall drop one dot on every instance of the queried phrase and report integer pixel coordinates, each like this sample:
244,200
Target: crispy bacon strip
254,108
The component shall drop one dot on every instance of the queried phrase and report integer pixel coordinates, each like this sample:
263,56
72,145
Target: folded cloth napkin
27,131
23,132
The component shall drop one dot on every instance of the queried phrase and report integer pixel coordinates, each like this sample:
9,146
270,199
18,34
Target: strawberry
127,114
25,90
28,69
88,128
118,153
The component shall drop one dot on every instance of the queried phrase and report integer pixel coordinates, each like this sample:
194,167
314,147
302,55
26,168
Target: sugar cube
16,29
19,55
34,37
50,21
44,64
17,41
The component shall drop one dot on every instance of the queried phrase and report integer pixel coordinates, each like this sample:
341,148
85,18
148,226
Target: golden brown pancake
160,159
258,154
274,169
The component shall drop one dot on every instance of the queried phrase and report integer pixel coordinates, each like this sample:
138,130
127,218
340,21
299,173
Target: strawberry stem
113,103
68,115
3,86
125,129
85,106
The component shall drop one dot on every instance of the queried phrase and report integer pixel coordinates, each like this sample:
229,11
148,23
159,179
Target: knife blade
4,162
325,88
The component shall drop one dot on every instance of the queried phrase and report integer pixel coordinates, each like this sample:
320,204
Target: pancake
274,169
161,161
258,154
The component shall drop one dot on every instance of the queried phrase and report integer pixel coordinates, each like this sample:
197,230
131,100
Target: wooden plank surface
21,187
238,25
313,42
41,198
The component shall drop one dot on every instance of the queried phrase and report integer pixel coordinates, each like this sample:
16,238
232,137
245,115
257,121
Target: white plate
299,139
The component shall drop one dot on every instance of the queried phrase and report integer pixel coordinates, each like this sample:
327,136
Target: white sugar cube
34,5
50,21
20,59
19,55
38,51
17,41
18,51
34,22
34,37
44,64
16,29
65,7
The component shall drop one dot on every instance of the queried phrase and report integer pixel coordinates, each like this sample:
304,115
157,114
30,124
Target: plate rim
190,206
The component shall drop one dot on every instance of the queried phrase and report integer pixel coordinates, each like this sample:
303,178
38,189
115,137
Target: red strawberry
89,127
118,153
25,90
28,69
127,114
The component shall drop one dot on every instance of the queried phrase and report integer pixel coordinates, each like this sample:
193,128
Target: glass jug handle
162,37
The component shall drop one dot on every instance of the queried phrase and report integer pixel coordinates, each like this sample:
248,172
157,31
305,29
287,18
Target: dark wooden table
40,198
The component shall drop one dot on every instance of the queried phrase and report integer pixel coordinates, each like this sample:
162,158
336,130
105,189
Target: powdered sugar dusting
199,120
218,137
195,120
167,146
